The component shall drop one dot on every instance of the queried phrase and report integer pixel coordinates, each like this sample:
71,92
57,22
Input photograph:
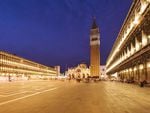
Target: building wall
12,65
130,55
57,68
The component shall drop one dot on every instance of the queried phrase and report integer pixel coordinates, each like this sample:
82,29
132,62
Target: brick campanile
94,50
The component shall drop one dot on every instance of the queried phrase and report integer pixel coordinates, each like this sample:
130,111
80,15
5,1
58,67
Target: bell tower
94,50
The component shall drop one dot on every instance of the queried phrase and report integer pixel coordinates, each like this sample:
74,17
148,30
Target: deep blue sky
56,32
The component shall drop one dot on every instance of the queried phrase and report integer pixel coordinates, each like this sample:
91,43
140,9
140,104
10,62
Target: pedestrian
141,84
9,78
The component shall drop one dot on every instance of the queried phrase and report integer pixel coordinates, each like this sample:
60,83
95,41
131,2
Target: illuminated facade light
136,20
141,67
127,70
135,69
144,39
148,65
148,1
143,7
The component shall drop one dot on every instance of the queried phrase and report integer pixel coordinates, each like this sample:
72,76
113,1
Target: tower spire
94,26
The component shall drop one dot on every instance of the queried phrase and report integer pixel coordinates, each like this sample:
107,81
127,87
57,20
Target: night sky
56,32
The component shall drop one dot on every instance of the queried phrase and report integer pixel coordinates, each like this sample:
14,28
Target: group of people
85,79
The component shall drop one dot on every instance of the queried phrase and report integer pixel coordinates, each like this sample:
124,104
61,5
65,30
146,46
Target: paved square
72,97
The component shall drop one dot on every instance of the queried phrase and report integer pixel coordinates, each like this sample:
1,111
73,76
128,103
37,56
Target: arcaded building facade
129,58
15,66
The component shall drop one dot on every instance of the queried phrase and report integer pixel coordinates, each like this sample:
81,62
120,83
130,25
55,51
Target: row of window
13,64
134,19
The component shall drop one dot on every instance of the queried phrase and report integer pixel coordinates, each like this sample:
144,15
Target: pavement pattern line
15,94
4,94
13,100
